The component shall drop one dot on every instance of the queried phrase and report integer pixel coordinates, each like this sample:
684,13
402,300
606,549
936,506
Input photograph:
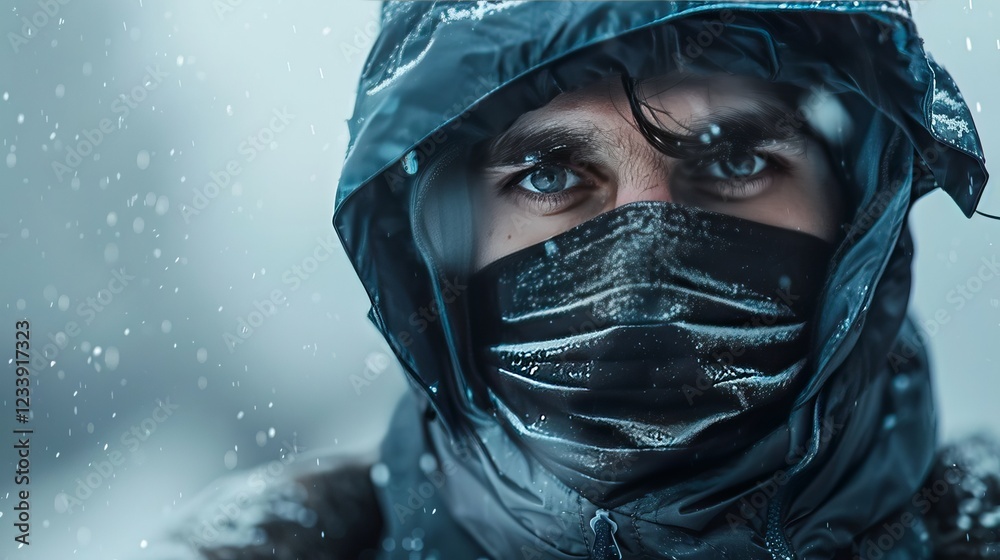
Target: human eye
546,188
549,179
734,176
742,167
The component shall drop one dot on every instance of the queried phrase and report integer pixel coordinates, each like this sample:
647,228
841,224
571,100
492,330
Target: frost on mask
651,327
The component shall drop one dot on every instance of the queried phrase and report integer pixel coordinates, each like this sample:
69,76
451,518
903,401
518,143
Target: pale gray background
226,73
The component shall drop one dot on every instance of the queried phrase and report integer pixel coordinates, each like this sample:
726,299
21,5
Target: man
646,266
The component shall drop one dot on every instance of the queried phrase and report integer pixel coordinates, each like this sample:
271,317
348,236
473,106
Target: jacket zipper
605,546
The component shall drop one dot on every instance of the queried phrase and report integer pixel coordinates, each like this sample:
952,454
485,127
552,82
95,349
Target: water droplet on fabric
410,163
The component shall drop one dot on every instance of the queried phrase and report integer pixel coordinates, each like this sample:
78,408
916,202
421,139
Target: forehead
686,97
598,120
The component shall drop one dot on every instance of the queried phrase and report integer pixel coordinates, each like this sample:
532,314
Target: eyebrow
729,129
742,128
518,144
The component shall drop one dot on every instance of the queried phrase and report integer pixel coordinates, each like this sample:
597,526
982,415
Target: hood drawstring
605,546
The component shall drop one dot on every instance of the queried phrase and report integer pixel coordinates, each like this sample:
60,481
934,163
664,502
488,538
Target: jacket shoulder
274,511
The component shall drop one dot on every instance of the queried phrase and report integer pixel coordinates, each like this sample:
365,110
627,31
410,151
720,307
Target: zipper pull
605,546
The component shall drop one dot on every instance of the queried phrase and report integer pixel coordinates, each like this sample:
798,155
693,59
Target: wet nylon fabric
843,465
871,49
643,337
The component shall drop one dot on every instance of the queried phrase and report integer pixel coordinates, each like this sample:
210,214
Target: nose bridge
643,173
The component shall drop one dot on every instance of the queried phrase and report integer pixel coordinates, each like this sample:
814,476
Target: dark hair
727,131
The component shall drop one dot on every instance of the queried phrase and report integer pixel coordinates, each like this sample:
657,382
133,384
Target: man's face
582,154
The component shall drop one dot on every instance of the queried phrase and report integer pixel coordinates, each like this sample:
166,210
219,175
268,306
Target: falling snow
163,233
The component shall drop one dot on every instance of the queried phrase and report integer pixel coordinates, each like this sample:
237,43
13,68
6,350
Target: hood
447,73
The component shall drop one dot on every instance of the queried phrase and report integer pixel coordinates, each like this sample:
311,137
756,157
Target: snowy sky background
223,77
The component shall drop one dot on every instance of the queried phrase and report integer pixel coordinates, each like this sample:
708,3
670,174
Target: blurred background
166,167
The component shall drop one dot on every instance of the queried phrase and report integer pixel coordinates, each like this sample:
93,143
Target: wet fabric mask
646,340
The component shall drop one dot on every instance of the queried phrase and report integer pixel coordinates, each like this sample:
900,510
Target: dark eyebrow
741,130
518,144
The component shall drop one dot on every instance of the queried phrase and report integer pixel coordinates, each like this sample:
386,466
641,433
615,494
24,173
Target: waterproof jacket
851,469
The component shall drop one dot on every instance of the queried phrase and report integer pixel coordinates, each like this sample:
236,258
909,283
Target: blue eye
741,167
549,179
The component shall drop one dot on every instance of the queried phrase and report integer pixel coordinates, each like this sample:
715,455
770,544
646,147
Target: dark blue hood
859,440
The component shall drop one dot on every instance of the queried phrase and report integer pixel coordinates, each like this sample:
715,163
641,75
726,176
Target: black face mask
646,341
